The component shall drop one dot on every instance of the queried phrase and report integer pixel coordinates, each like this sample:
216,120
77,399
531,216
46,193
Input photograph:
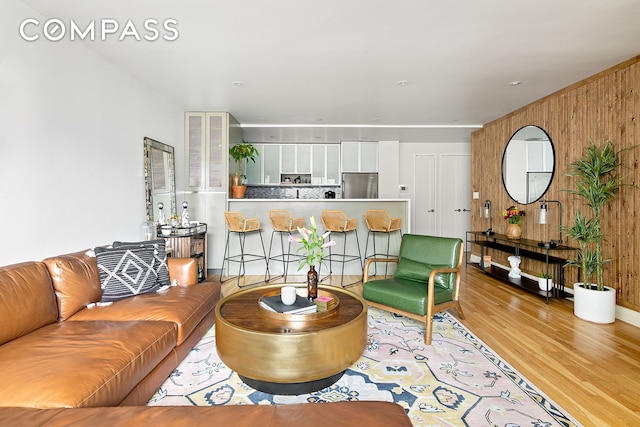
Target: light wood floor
590,370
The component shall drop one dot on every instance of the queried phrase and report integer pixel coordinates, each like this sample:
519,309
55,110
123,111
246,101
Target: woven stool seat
379,221
283,223
336,221
237,223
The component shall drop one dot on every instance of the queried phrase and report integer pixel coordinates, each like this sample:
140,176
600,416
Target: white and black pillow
126,272
160,257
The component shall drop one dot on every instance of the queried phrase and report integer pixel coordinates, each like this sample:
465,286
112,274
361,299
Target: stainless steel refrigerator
356,185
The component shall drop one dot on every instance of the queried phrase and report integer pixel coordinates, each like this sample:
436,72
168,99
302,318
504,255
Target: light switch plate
476,195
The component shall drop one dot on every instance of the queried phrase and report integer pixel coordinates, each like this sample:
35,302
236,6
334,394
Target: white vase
594,306
544,284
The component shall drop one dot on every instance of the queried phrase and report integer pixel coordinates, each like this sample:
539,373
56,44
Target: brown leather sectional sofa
62,363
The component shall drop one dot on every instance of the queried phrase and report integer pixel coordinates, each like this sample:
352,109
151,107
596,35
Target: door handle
431,210
466,210
457,210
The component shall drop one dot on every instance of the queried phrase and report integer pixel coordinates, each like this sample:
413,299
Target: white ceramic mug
288,295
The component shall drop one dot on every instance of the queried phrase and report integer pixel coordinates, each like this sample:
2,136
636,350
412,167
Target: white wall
71,137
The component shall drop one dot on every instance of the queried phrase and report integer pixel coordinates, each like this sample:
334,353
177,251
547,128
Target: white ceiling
337,62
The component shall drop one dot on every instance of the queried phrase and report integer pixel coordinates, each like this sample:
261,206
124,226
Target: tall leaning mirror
159,178
528,164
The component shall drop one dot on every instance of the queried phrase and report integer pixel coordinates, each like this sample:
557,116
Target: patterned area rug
457,381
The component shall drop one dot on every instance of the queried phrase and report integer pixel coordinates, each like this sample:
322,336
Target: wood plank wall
604,107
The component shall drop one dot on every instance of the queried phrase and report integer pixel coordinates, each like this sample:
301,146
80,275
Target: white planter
545,284
594,306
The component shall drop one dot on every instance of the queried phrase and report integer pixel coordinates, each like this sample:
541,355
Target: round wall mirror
528,164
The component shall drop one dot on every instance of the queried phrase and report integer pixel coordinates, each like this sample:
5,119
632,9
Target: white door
455,199
424,191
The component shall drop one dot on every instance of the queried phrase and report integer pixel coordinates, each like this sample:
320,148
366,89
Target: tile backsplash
290,191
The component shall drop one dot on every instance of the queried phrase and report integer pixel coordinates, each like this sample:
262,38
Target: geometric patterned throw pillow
160,257
125,272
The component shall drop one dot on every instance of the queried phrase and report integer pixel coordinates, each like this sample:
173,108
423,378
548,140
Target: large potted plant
597,182
241,153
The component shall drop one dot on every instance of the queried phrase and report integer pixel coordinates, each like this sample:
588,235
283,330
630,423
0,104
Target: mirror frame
553,169
149,146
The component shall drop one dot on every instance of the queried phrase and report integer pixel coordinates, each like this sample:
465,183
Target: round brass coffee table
290,354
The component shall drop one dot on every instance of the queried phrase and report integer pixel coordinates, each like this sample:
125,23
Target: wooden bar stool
379,221
237,223
336,221
283,223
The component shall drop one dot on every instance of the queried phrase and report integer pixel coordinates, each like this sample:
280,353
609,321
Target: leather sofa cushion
75,280
27,301
334,414
185,306
76,364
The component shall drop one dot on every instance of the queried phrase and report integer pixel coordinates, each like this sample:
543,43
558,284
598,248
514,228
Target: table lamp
545,217
485,212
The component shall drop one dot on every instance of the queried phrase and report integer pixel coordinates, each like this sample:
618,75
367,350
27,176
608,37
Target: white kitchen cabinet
350,156
333,164
318,168
368,157
271,160
295,158
207,139
254,169
359,156
288,158
303,158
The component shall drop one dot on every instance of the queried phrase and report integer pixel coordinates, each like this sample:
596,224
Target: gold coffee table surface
292,349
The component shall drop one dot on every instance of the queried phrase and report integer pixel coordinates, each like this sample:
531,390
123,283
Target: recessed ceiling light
515,83
238,83
402,82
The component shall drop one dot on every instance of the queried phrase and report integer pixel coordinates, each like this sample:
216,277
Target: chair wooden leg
459,310
428,326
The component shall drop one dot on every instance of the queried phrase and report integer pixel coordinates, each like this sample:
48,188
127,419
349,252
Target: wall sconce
545,217
485,212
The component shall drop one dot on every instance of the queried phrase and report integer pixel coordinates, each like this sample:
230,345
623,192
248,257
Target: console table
554,258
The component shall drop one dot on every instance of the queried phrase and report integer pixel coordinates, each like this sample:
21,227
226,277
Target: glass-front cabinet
271,160
254,170
207,145
318,164
333,164
359,156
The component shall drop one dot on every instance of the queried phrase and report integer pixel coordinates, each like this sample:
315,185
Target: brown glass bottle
312,282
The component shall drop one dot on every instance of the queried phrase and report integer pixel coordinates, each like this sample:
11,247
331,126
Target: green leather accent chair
426,280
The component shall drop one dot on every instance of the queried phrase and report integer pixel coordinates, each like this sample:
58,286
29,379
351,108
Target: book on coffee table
301,306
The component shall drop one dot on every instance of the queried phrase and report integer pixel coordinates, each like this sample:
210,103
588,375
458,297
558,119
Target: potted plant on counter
241,153
597,183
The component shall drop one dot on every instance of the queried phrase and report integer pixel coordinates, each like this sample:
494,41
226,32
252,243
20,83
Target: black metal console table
524,248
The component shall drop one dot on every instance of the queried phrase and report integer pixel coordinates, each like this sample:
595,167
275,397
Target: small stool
336,221
282,223
237,223
379,221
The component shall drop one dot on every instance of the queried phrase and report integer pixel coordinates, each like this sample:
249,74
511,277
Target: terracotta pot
514,231
238,191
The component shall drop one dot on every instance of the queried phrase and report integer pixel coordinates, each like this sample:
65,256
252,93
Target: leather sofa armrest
183,270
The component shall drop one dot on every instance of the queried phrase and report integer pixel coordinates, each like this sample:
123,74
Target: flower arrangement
513,215
312,244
